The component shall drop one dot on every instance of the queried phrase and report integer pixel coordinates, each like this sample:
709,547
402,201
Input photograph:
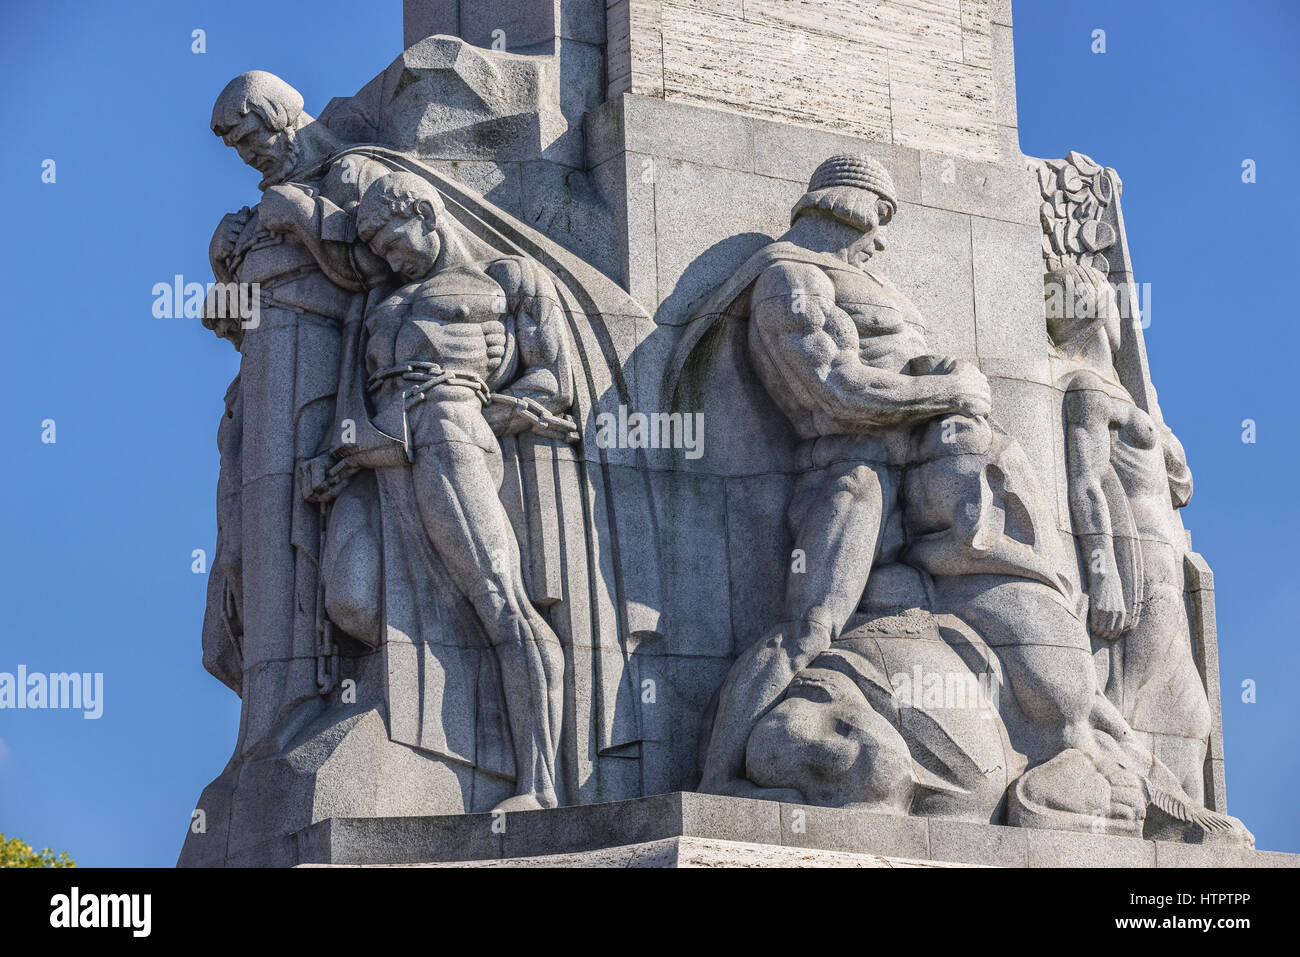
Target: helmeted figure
902,471
837,348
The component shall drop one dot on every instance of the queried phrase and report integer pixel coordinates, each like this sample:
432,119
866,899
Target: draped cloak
573,520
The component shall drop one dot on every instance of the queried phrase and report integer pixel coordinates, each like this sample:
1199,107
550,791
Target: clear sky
100,526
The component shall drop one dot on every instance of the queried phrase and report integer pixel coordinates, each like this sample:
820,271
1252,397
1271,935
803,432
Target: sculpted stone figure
979,524
284,247
1127,475
853,730
394,439
902,467
455,572
456,356
838,348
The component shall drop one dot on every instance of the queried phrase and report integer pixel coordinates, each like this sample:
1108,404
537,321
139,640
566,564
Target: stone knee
856,484
1054,686
798,641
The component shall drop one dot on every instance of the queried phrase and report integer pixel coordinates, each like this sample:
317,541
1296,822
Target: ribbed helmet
861,172
849,188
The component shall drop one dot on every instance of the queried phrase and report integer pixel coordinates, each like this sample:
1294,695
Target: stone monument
681,432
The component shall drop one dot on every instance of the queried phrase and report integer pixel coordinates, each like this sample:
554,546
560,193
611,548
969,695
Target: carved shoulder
509,272
522,279
794,296
1086,405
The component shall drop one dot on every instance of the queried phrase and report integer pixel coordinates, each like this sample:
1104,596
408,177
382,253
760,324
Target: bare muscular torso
456,318
1138,457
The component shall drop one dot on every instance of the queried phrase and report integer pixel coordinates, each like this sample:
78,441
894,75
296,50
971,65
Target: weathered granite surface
659,397
653,831
689,852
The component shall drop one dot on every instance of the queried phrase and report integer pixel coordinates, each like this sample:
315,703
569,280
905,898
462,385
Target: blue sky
101,525
1183,94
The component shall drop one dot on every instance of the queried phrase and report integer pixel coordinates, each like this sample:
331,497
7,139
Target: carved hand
969,390
323,478
494,336
932,365
224,239
1106,612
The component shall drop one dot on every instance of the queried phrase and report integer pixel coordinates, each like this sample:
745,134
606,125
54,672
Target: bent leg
837,516
1046,654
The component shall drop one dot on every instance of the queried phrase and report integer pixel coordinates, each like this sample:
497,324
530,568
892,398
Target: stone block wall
929,74
713,116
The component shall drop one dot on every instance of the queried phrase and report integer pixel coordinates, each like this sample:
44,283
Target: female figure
1127,474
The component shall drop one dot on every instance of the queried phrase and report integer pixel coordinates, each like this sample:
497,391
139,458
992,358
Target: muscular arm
309,217
325,227
348,179
545,365
951,551
815,345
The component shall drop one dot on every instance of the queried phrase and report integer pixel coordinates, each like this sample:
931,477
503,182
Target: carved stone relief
439,589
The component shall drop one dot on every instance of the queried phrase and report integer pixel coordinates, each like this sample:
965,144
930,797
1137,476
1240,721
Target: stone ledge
689,829
681,852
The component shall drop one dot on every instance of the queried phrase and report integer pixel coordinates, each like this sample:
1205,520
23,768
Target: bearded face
272,153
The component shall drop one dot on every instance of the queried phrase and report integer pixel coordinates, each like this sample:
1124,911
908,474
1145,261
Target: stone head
259,115
850,200
824,739
1082,308
403,220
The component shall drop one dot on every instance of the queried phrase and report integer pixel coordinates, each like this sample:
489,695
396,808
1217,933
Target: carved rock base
340,765
687,829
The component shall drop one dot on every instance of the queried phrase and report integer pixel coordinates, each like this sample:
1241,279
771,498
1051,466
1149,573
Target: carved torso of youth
860,313
458,318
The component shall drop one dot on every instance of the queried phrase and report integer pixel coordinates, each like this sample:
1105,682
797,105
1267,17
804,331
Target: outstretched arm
326,230
950,551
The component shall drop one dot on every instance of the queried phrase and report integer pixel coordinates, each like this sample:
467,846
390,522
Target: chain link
430,375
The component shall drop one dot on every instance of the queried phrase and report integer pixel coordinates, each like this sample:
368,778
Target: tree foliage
16,853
